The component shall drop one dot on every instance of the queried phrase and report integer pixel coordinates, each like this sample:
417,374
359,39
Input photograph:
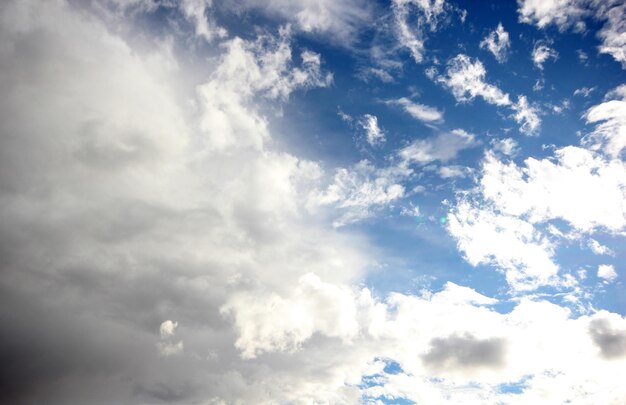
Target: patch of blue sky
417,252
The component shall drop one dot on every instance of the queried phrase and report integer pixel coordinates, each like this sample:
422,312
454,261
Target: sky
312,202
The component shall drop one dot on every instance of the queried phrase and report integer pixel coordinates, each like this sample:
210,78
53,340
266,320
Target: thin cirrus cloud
418,111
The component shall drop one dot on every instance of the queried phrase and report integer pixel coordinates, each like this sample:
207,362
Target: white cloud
442,147
360,191
449,172
466,80
572,13
513,203
609,134
249,69
542,13
426,14
576,186
612,33
584,91
527,116
197,12
419,111
124,205
339,22
508,242
374,135
275,323
167,346
161,210
443,343
599,249
607,272
498,43
344,116
168,328
379,73
541,53
506,146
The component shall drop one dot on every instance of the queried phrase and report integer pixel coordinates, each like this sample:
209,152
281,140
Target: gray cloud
110,223
612,342
465,351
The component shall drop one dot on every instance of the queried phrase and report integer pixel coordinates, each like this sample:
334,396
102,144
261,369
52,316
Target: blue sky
298,202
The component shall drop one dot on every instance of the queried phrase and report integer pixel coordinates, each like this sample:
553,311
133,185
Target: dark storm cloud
107,229
465,351
612,342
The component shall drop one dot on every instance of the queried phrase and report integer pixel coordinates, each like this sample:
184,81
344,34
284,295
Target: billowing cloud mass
582,188
181,221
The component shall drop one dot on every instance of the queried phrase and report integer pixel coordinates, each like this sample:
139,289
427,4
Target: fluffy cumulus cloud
543,13
505,224
465,78
498,43
160,244
438,343
607,273
511,244
565,14
548,189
